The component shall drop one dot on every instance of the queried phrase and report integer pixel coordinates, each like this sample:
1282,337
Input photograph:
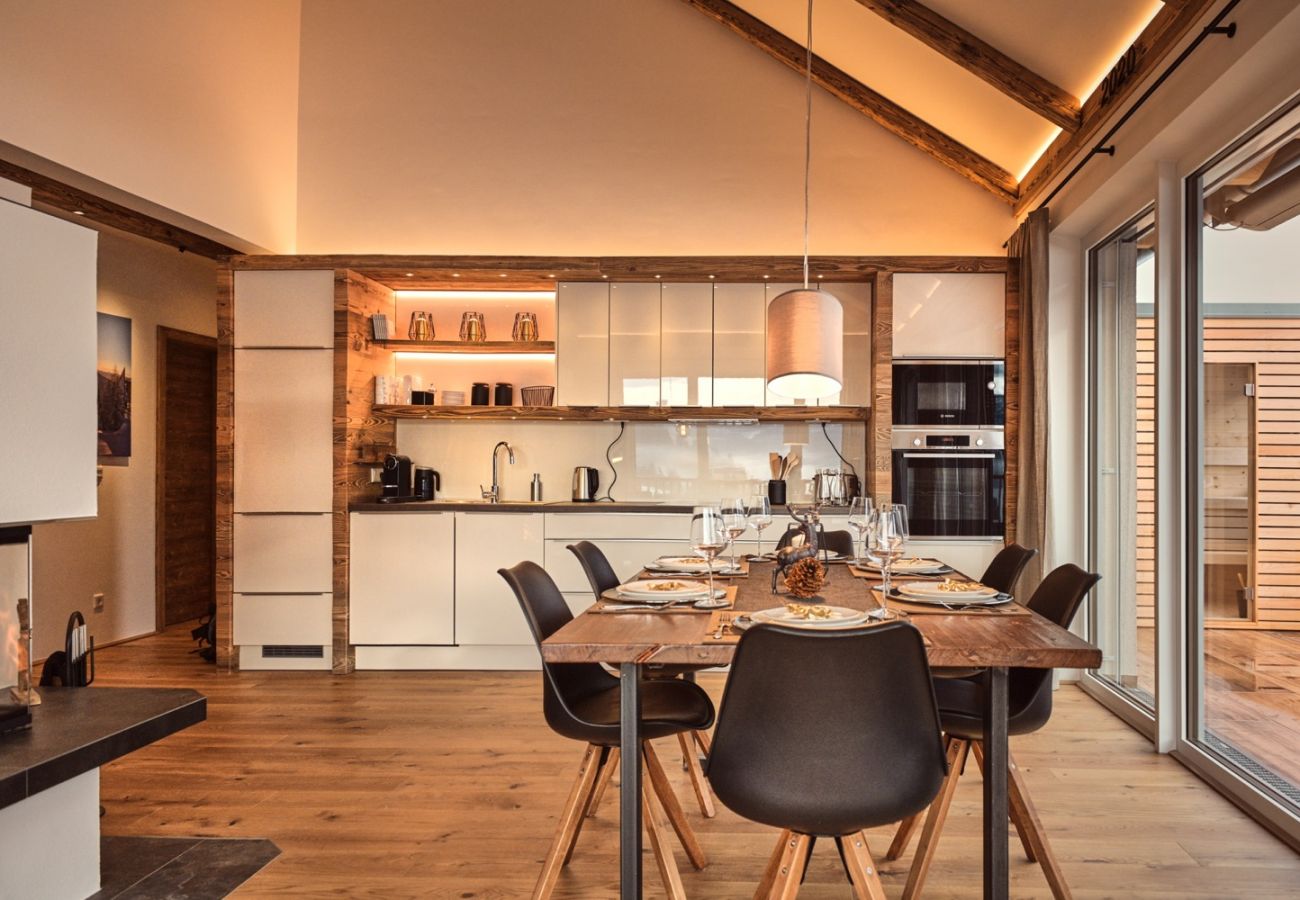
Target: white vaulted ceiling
1070,43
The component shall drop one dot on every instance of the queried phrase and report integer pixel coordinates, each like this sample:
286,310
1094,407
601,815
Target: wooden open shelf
467,346
630,413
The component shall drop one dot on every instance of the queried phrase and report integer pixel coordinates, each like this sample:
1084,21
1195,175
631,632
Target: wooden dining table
992,643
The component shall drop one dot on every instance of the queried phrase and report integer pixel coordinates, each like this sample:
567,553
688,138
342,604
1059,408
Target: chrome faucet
493,494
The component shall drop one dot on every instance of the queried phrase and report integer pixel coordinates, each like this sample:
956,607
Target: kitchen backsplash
653,460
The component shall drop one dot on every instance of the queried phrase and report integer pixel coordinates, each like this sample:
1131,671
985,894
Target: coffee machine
396,478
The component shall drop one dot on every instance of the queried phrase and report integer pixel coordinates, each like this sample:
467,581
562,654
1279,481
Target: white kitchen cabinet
284,619
284,430
487,612
283,554
855,298
634,344
401,584
950,315
739,349
626,557
47,367
686,345
573,527
582,344
284,309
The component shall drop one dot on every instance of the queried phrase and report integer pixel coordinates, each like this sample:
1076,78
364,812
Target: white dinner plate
839,617
954,602
911,566
664,588
686,564
932,590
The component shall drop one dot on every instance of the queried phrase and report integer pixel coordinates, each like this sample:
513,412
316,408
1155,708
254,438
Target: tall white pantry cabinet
283,567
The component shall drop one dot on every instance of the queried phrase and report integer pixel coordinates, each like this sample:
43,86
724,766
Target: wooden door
186,476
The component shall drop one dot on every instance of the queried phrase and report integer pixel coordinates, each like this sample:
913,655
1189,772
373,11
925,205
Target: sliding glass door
1122,461
1243,462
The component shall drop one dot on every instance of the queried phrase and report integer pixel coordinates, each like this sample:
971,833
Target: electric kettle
586,481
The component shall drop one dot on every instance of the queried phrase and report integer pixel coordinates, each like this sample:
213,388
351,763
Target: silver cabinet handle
953,455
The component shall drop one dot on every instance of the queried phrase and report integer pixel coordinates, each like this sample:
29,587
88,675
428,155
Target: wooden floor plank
449,785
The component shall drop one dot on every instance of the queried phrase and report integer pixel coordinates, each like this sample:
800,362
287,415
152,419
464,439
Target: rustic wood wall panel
1273,347
225,467
359,432
880,450
1011,433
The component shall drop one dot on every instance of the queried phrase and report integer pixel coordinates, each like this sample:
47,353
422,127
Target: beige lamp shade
805,344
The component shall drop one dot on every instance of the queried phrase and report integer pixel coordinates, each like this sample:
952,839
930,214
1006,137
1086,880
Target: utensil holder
776,492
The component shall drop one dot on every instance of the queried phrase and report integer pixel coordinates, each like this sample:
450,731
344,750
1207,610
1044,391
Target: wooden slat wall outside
225,468
1273,346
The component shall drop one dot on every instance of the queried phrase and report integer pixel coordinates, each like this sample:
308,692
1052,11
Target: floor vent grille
1255,769
292,651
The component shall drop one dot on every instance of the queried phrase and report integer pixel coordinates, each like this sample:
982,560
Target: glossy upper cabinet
582,343
739,350
284,309
950,315
686,345
634,344
47,367
772,291
284,431
855,298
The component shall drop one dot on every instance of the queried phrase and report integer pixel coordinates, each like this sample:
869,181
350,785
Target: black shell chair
1005,569
581,701
602,577
824,734
1029,706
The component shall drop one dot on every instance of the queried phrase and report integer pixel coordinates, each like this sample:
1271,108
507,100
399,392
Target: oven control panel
950,440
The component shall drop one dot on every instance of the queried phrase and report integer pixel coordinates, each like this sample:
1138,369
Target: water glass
708,538
760,516
735,520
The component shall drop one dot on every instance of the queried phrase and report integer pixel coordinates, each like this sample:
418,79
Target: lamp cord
807,141
609,491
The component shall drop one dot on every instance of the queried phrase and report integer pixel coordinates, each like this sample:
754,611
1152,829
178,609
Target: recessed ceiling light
455,274
658,276
410,274
821,276
550,276
503,274
713,276
604,276
78,212
765,277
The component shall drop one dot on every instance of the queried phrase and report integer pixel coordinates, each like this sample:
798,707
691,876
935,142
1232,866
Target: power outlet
376,475
98,601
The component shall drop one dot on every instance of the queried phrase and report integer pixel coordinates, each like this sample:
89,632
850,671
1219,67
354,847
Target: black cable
852,468
609,492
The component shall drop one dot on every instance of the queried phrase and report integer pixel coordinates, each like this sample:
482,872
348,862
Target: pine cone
805,578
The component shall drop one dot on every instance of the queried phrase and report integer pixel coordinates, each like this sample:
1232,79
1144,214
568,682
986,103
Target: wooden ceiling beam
1157,42
981,59
881,110
57,195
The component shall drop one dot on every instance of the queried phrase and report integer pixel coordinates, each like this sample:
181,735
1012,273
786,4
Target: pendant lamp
805,327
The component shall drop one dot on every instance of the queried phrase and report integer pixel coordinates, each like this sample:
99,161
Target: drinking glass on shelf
735,520
860,511
708,538
885,539
760,516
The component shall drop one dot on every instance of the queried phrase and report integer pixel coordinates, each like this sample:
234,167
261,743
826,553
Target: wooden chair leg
702,738
862,868
691,762
773,866
789,873
1023,808
603,779
659,780
977,748
663,851
602,760
566,833
934,821
906,828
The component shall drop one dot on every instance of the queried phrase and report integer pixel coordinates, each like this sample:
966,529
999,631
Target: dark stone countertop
521,506
75,730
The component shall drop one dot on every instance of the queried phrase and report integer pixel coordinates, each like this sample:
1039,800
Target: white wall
654,461
594,127
114,553
188,104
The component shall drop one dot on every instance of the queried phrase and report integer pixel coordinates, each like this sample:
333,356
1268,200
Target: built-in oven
966,393
953,482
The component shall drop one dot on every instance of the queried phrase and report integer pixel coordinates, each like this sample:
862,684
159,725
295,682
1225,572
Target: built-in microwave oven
961,393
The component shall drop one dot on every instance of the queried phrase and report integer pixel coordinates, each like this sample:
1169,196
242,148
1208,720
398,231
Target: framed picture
114,385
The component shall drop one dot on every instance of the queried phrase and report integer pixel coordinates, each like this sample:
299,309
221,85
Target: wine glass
760,516
734,520
860,511
885,539
708,537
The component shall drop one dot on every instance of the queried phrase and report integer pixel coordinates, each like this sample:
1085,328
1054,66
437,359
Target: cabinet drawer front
626,558
284,309
402,578
284,554
302,619
487,611
593,526
284,430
